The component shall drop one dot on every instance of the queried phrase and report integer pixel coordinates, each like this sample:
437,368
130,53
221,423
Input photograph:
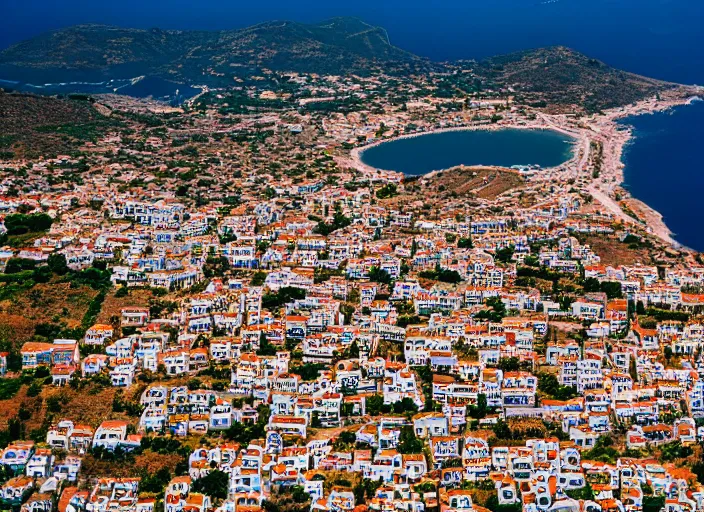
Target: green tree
505,254
215,266
15,265
285,295
408,442
347,437
531,261
441,274
509,364
265,347
465,243
379,275
603,451
492,503
548,384
496,313
339,221
612,289
640,308
308,371
57,263
585,493
353,350
374,404
388,190
315,420
591,284
406,405
258,278
653,503
502,430
41,274
480,410
19,224
215,484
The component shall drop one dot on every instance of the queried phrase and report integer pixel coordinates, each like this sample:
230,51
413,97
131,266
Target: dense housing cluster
219,307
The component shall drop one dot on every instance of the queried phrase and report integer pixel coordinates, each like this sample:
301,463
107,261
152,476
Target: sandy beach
614,138
602,128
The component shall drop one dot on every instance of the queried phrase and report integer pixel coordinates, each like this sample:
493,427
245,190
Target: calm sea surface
435,151
665,168
153,87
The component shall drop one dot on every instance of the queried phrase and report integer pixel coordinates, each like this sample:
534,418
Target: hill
89,52
561,76
554,77
33,126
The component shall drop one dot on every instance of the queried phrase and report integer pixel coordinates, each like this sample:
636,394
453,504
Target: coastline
354,160
615,138
607,188
357,151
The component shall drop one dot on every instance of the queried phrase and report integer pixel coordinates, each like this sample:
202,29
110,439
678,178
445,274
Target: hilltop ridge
557,75
552,77
335,46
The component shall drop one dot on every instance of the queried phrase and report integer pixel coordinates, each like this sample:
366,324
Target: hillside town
219,307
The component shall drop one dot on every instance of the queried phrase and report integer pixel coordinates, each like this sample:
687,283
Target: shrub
19,224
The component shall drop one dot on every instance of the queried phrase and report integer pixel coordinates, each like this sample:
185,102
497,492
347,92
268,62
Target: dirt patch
500,182
152,462
33,126
614,252
466,183
9,407
55,303
89,406
15,329
148,462
137,297
485,183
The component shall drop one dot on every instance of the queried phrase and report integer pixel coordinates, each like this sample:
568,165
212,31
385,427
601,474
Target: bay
442,150
138,87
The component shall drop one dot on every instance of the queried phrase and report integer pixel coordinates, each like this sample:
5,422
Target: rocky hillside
336,46
561,76
32,126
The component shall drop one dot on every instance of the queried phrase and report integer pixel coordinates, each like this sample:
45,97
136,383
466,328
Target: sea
664,168
507,147
137,87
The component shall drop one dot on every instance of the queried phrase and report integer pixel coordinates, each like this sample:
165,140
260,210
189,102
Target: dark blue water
665,168
434,151
148,87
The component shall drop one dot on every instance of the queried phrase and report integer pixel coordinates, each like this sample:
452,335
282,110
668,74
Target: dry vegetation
485,183
149,461
481,183
558,78
138,297
89,406
33,126
46,303
614,252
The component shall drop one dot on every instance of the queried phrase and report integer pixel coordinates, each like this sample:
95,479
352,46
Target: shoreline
357,151
616,137
603,128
